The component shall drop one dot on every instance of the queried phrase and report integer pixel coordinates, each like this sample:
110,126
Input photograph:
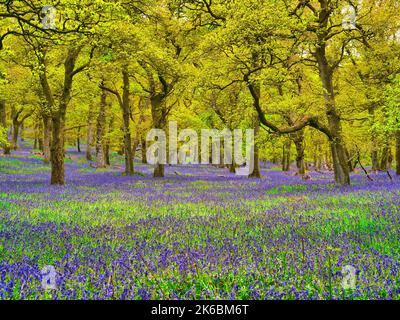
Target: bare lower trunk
15,133
298,139
144,150
3,123
159,122
89,138
57,152
40,135
159,171
384,163
36,139
374,159
78,140
351,167
46,138
256,171
134,147
107,154
100,158
286,155
340,163
129,169
107,146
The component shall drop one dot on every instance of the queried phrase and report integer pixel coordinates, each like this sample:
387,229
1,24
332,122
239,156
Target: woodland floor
203,233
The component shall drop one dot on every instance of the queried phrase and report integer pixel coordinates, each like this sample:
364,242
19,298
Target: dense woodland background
318,92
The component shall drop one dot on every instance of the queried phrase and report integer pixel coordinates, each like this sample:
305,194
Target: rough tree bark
78,140
144,150
3,122
159,116
339,157
40,137
46,138
89,137
129,169
57,149
108,142
58,115
286,154
101,118
256,170
384,161
298,140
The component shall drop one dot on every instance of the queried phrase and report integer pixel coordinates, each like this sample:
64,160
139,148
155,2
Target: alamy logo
48,278
48,16
349,277
188,151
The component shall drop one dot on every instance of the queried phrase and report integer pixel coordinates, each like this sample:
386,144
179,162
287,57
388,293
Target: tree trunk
135,146
384,158
3,123
15,133
57,151
351,167
46,138
159,171
36,138
108,142
21,131
374,149
100,157
339,158
129,169
256,171
374,158
159,121
78,140
89,138
298,139
144,150
286,155
390,159
58,117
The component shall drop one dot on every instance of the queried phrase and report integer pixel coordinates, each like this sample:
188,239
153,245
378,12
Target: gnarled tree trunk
339,157
298,139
